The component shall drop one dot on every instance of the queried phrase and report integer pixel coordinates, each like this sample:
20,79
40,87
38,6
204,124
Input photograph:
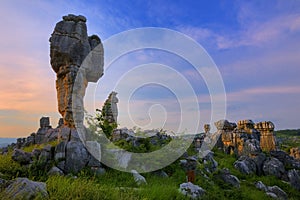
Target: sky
254,44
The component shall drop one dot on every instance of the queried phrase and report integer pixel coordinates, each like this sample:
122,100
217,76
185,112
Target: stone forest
247,161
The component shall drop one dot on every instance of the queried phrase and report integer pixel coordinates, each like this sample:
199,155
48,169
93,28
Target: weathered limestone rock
280,194
60,122
210,164
229,178
77,157
295,152
139,179
225,125
110,108
273,166
241,139
69,46
23,188
225,129
267,138
272,191
192,191
44,127
286,159
55,171
245,165
247,125
294,178
206,129
47,154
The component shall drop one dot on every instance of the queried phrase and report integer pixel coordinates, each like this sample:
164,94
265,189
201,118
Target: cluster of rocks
247,141
278,163
68,152
155,137
246,138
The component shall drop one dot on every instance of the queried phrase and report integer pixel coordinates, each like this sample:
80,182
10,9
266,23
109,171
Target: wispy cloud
252,31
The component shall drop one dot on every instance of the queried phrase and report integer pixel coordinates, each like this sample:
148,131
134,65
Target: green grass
10,169
39,146
112,185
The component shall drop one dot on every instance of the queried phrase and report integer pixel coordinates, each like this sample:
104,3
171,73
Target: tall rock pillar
69,46
267,137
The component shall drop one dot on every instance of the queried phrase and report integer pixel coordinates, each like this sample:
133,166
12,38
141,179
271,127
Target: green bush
11,169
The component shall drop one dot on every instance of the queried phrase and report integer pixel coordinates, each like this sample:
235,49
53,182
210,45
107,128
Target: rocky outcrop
241,139
267,138
246,138
23,188
69,47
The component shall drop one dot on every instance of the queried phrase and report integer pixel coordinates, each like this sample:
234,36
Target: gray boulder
273,166
261,186
23,188
160,173
139,179
190,163
229,178
60,151
77,157
259,161
21,157
46,154
245,165
285,158
55,171
190,190
36,153
251,147
278,192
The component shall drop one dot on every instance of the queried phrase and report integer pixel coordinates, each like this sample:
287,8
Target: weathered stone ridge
69,46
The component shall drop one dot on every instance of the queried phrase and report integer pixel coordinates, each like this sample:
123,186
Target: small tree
105,124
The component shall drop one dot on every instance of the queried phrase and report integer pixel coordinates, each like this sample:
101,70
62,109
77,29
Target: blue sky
255,45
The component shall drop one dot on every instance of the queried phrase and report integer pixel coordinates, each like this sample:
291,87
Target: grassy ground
120,185
288,139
